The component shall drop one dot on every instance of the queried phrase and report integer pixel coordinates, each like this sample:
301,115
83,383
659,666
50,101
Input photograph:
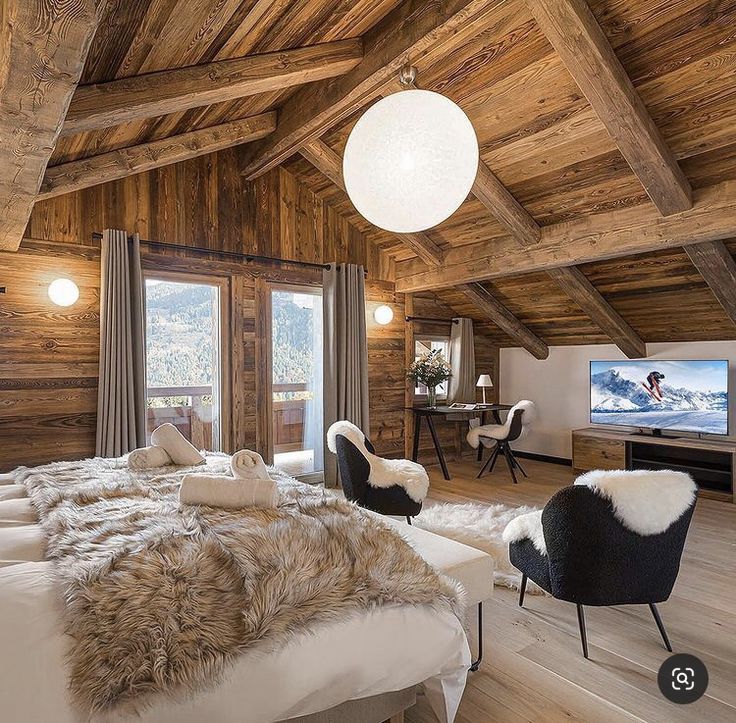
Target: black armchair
354,472
592,558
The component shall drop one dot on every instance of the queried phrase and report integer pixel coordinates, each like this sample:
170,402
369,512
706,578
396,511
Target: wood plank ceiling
553,110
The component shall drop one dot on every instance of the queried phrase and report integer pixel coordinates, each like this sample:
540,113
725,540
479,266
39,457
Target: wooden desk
443,411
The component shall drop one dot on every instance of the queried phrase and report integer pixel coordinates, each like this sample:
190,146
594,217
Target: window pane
422,347
182,359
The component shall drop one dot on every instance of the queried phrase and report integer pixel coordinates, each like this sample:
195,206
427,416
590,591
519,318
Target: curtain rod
228,254
431,318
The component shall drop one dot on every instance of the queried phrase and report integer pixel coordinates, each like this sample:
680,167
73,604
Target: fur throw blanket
478,434
384,472
161,597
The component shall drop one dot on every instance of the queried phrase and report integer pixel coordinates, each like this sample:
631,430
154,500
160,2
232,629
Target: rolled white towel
148,457
247,464
7,478
229,492
180,449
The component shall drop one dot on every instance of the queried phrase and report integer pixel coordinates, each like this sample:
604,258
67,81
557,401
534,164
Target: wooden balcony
193,418
288,417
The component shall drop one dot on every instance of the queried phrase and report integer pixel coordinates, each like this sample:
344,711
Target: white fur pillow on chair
478,432
383,472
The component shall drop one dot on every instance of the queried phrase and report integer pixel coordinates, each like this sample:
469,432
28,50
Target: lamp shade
410,161
383,314
484,380
63,292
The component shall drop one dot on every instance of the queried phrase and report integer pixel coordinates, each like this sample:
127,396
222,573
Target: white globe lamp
63,292
410,161
383,314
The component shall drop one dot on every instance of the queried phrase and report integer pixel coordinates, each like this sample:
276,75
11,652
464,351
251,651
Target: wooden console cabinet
712,463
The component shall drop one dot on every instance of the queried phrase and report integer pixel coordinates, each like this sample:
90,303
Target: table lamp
484,381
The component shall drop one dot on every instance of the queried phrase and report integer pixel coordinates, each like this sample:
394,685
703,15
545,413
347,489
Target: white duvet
389,649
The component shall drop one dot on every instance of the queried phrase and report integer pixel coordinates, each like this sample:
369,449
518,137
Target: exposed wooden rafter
416,28
718,268
171,91
43,48
576,285
75,175
322,157
573,31
496,312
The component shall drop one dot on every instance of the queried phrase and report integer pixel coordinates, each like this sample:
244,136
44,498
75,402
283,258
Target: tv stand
712,463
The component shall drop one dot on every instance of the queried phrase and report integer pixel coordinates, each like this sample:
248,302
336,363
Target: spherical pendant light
410,161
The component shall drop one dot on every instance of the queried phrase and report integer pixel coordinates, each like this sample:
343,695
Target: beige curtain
461,387
345,353
121,396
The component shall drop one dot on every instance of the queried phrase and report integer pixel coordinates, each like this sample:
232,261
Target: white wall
559,385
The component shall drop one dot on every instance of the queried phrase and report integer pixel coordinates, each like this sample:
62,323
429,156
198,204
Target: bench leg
476,663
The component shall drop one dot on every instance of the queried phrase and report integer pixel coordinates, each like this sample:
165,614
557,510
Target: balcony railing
289,404
189,409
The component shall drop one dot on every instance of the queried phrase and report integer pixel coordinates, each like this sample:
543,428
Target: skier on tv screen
652,385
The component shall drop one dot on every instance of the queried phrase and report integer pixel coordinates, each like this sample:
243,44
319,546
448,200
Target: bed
361,657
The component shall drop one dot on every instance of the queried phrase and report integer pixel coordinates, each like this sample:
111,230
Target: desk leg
438,448
496,417
480,446
417,429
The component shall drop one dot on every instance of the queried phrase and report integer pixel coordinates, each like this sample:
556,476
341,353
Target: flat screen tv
683,396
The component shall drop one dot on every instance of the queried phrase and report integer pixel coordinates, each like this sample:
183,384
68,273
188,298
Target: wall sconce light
63,292
383,314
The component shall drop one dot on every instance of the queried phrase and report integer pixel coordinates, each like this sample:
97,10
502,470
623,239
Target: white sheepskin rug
384,472
479,526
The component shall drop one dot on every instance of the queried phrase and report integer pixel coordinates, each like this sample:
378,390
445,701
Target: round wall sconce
63,292
383,314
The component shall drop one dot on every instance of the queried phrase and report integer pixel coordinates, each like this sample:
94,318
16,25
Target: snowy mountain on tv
620,395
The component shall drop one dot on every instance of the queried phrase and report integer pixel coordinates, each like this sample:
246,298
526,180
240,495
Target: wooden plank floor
534,670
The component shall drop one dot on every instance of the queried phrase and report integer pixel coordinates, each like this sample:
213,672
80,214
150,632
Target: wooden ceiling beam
718,269
633,230
76,175
504,207
324,159
496,312
576,285
573,31
43,48
415,28
172,91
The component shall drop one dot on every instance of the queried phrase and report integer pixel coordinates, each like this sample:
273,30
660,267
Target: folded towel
180,449
247,464
219,491
148,458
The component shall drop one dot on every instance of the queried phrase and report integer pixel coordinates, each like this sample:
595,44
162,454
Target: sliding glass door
184,358
296,353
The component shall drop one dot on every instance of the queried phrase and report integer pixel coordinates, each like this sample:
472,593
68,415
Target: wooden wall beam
172,91
322,157
573,31
576,285
75,175
633,230
718,269
415,28
496,312
506,209
43,48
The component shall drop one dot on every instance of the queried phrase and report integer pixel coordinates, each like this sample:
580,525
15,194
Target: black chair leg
583,635
522,590
660,625
476,663
496,453
517,463
489,462
509,463
408,519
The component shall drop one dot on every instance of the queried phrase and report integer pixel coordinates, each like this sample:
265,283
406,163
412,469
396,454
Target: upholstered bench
472,568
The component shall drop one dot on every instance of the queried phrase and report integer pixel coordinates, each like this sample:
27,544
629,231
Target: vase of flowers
430,370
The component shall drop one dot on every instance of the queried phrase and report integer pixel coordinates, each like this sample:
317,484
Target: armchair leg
476,663
660,625
408,519
583,634
522,590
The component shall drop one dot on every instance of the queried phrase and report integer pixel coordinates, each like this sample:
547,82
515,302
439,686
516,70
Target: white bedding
389,649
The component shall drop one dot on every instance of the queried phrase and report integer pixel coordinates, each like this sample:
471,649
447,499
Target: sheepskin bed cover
160,598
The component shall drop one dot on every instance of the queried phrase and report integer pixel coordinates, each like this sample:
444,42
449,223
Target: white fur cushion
645,501
383,472
528,526
501,431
